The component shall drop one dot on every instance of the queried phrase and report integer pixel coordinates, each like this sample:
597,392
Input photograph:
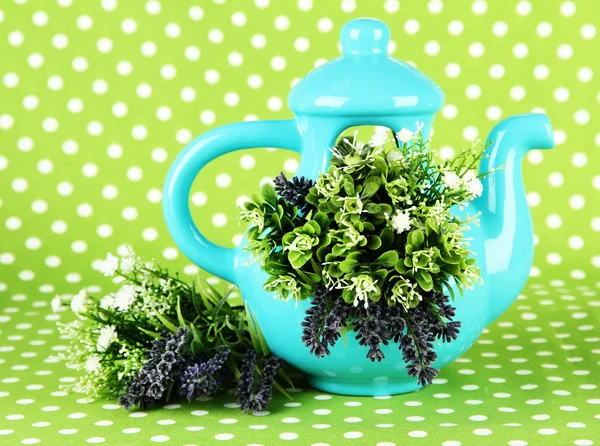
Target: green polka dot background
98,97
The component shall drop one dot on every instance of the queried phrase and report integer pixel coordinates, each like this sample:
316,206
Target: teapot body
366,87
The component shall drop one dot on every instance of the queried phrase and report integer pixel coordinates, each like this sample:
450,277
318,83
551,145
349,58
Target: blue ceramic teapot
365,86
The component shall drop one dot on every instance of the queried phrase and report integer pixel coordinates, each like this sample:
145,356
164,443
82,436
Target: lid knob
365,36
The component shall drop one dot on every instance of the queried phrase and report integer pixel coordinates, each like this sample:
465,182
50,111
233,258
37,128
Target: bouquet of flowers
157,338
373,243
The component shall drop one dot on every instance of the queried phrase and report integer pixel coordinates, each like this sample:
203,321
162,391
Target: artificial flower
125,297
110,265
405,135
379,138
401,221
451,180
127,264
79,301
108,334
107,302
92,364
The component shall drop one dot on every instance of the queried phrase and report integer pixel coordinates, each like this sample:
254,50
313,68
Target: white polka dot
150,234
288,436
568,9
523,8
219,220
585,74
517,92
588,31
432,48
554,221
353,435
452,70
500,29
449,111
49,124
258,41
417,434
325,25
544,29
235,59
577,201
561,94
582,117
476,49
496,71
60,41
208,117
411,26
104,230
456,27
482,432
15,38
564,51
278,63
224,436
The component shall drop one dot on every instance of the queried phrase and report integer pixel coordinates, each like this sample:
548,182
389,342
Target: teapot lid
365,80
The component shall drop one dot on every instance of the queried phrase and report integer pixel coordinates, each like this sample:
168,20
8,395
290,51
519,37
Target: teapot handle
196,155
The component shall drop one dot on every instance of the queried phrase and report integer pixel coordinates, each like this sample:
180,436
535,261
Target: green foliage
109,336
379,225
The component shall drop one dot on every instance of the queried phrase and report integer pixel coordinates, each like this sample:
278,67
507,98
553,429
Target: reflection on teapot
365,86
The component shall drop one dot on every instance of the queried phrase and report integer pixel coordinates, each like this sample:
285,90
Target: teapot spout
505,218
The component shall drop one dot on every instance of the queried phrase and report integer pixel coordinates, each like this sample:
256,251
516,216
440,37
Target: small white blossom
379,139
394,155
475,187
401,221
125,297
127,263
473,184
93,363
452,180
405,135
56,303
108,335
107,302
79,301
110,265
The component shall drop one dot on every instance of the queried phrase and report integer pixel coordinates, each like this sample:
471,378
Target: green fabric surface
98,97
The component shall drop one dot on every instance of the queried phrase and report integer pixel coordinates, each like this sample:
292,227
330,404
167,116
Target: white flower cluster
469,181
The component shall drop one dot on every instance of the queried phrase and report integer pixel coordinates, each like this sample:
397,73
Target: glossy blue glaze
503,241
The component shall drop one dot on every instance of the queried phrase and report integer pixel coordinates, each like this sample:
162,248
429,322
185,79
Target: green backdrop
97,98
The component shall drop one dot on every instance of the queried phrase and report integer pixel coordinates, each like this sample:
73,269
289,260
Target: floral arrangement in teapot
419,256
374,243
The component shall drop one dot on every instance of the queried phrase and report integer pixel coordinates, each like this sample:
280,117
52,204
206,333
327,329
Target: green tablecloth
98,97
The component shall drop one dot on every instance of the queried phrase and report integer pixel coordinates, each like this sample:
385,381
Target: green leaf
179,315
387,237
373,208
269,194
400,267
166,322
388,258
322,219
416,238
348,265
282,390
149,333
371,186
427,286
374,242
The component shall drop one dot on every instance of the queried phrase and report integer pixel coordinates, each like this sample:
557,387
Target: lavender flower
249,398
165,361
315,335
372,329
203,379
293,191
